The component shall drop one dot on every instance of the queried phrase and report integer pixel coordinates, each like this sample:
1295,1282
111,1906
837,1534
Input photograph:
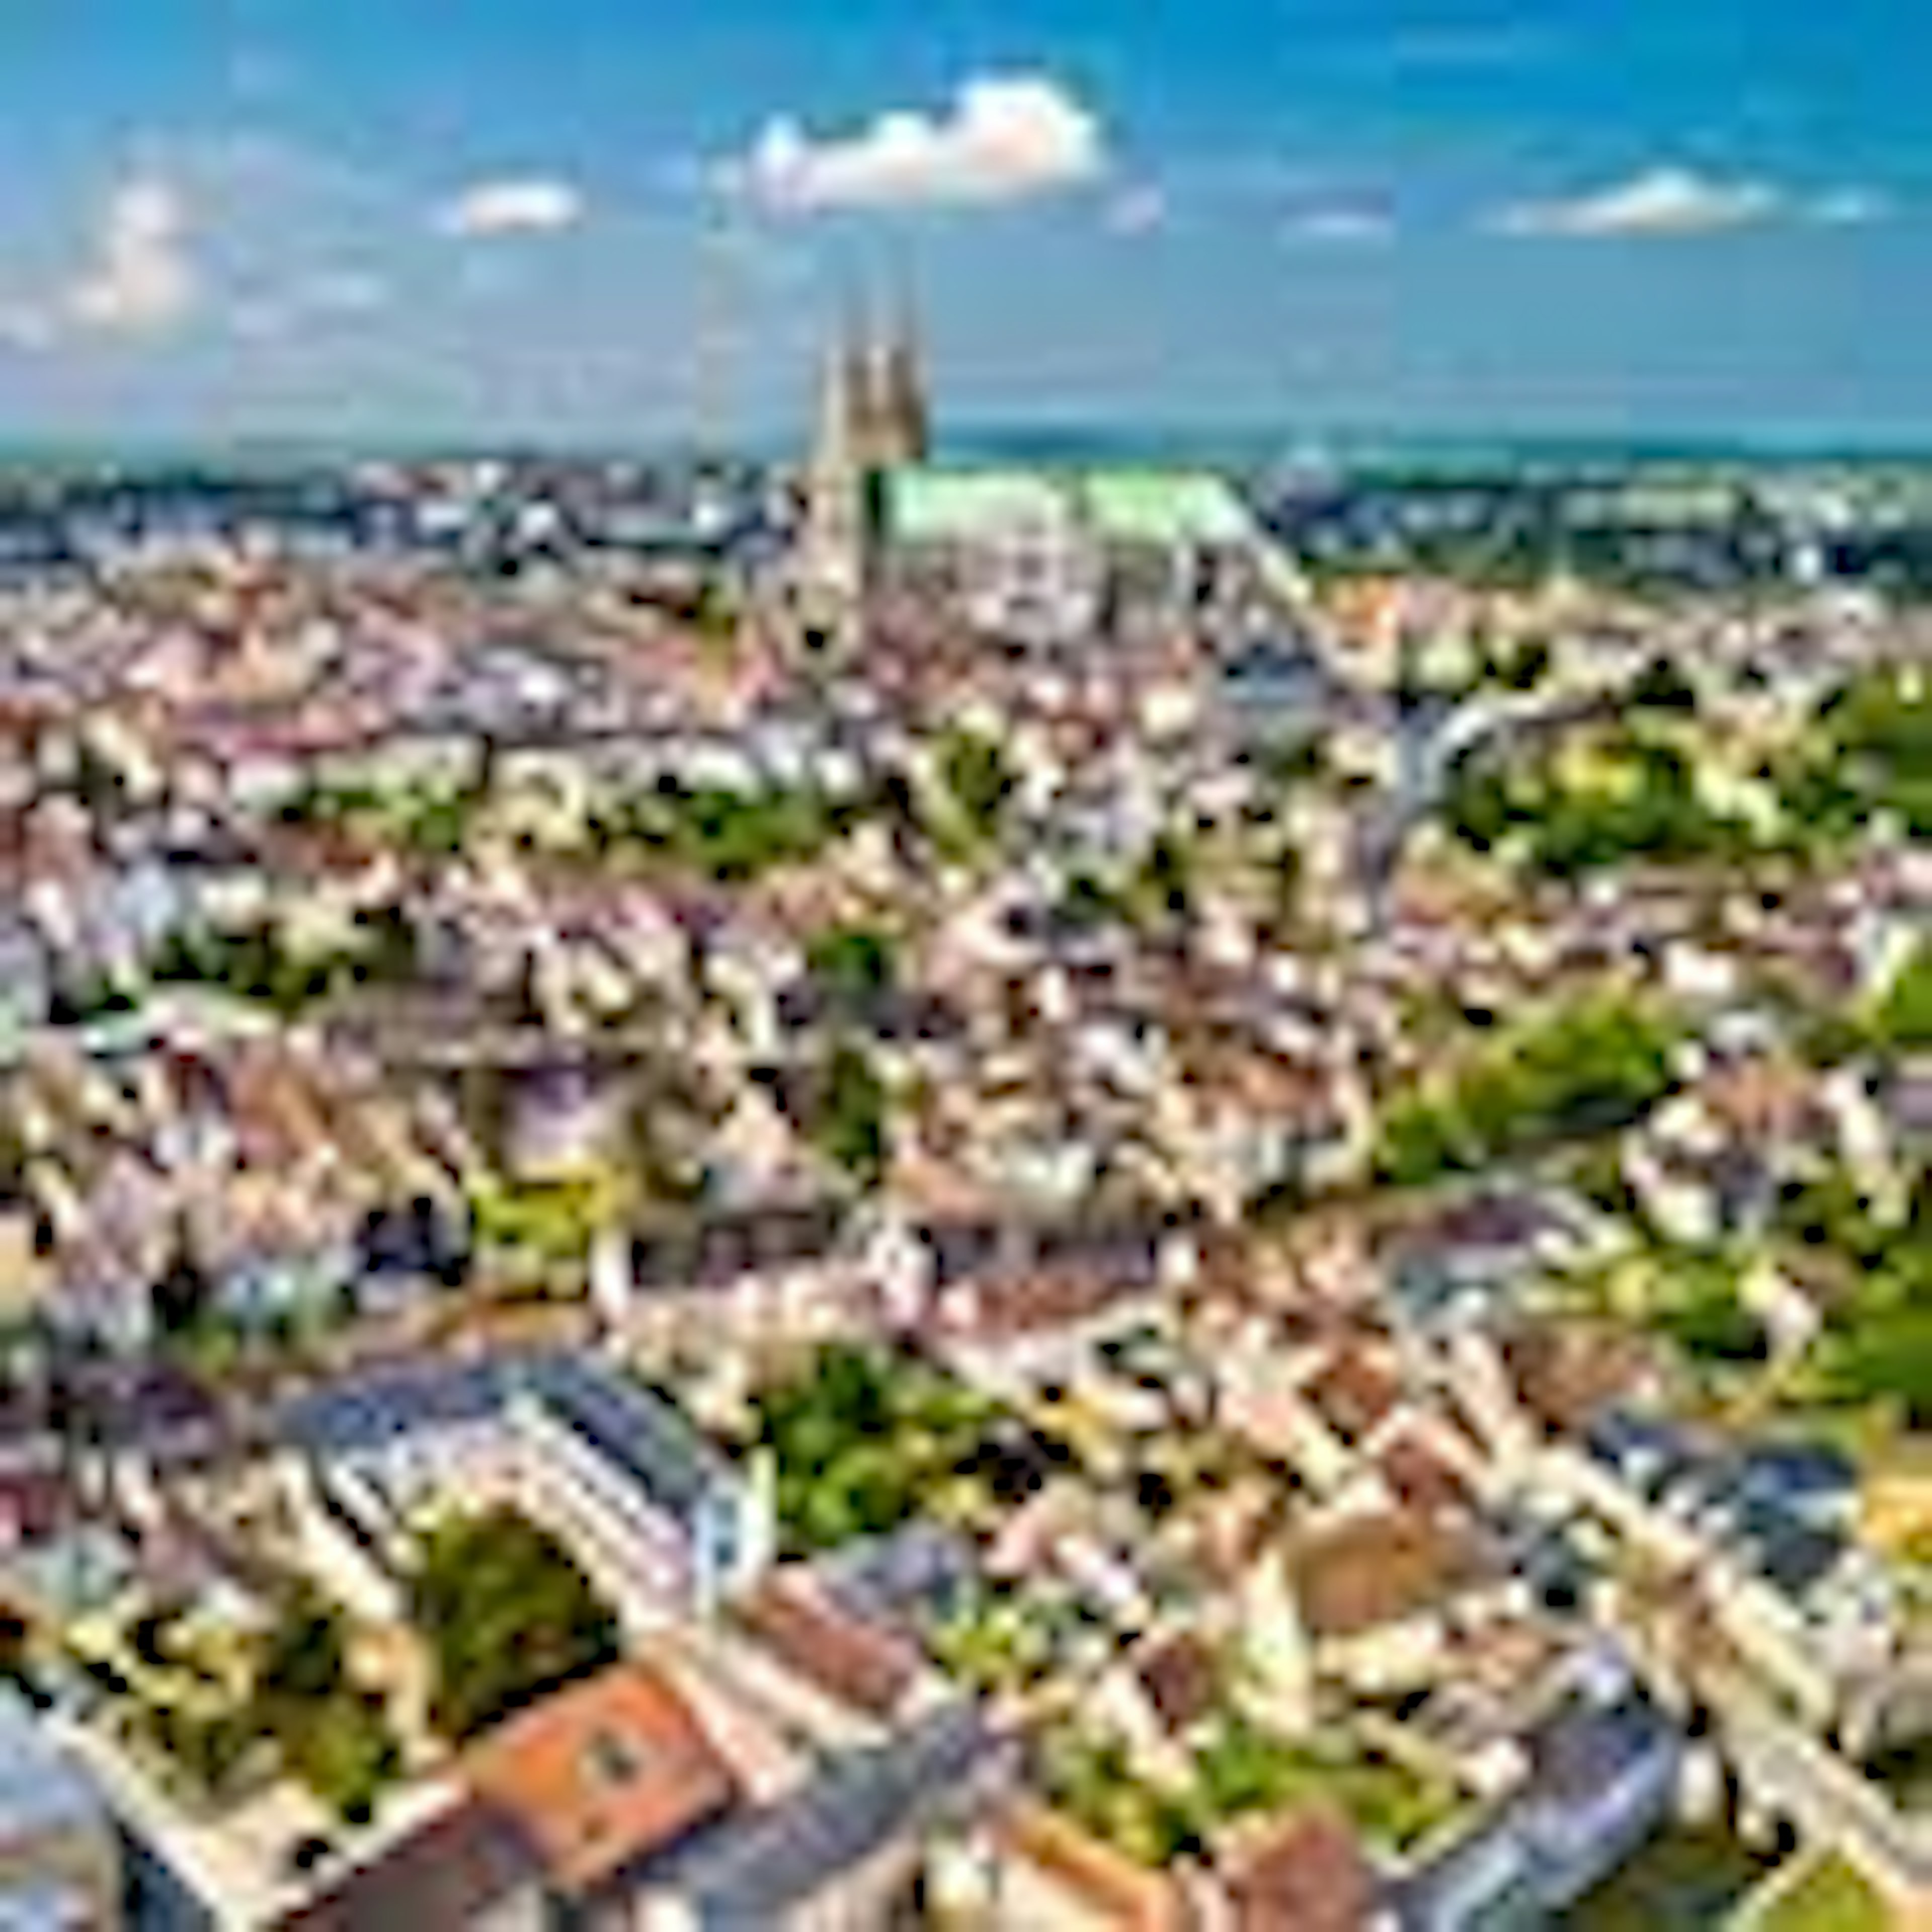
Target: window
612,1761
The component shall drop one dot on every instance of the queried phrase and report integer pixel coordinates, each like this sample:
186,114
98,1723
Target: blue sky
510,218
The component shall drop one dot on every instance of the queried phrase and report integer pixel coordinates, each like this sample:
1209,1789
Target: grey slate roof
639,1433
451,1873
756,1866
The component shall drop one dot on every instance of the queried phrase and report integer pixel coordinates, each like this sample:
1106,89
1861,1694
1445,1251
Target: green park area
720,832
1635,786
864,1439
508,1617
1828,1895
1578,1071
1240,1771
228,1706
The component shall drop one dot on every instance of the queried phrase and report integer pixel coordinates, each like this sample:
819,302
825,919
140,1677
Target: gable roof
450,1873
1307,1875
1376,1571
598,1777
857,1662
759,1865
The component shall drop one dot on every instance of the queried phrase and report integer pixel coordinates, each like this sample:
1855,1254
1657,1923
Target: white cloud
532,205
1343,227
1004,139
138,278
142,280
1140,209
1851,208
1660,202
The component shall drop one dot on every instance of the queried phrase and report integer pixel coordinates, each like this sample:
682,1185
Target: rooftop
449,1873
636,1430
601,1776
759,1864
1148,509
1306,1875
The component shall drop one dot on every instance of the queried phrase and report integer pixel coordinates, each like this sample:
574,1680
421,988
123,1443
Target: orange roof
1565,1374
1030,1304
599,1776
1422,1476
1372,1571
1761,1098
1357,1390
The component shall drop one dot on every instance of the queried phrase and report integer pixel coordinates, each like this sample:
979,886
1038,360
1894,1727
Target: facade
873,419
662,1523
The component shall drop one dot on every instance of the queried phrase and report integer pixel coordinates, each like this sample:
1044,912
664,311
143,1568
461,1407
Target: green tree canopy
851,1122
979,779
508,1615
1587,1070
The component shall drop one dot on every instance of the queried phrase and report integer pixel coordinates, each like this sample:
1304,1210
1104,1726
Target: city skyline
254,219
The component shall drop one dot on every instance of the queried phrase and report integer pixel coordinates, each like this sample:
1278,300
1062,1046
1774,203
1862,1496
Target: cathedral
873,419
877,384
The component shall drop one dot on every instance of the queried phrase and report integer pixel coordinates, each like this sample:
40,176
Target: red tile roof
1182,1680
1355,1392
858,1663
601,1776
1309,1875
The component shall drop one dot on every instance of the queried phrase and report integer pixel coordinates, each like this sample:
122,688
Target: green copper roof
1160,509
958,506
1167,508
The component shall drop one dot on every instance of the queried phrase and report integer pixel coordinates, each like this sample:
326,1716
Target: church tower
873,419
835,538
901,411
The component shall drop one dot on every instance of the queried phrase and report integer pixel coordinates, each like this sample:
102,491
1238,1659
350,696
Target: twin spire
876,409
873,419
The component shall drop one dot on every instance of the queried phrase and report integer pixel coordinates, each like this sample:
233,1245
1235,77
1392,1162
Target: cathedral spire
904,405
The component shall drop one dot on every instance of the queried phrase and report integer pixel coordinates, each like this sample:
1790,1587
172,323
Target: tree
979,780
306,1656
1905,1014
344,1750
507,1616
1093,1779
851,1124
210,1749
1663,687
1166,881
336,1738
183,1295
852,964
1588,1069
862,1438
1712,1324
